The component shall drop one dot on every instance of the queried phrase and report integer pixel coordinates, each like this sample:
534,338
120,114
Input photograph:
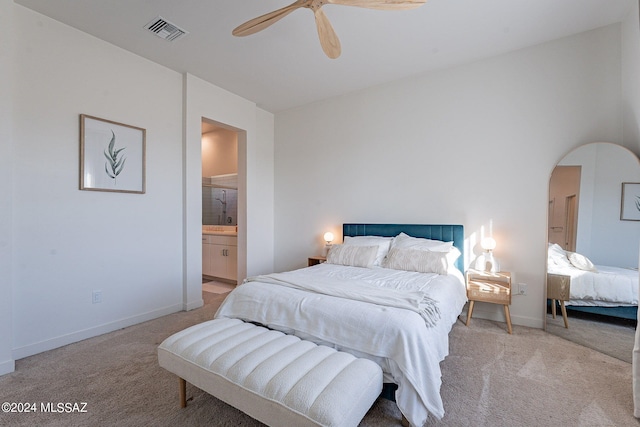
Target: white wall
261,200
219,153
464,145
67,242
605,241
6,185
143,252
631,79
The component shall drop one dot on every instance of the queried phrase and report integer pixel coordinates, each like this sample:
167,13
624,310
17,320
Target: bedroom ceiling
284,66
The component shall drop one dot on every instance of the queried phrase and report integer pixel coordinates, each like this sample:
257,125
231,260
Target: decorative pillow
581,262
404,241
355,256
558,256
422,261
382,243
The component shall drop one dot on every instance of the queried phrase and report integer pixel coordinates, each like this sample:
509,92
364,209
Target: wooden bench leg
183,392
469,313
404,422
553,308
564,314
507,314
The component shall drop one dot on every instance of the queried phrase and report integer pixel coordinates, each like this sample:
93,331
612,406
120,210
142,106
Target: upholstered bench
275,378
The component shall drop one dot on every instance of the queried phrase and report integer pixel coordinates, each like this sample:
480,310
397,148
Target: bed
597,289
363,307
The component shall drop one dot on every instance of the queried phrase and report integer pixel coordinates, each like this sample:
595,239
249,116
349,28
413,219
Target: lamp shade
488,243
328,237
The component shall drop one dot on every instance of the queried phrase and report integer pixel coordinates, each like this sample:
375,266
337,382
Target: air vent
165,29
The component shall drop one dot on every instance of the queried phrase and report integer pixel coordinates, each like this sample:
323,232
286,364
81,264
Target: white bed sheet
397,339
609,287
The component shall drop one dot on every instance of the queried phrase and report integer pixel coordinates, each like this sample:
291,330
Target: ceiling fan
328,38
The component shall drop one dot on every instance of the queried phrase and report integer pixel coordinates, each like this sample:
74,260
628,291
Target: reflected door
564,190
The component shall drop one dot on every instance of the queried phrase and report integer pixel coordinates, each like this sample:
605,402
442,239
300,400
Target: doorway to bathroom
219,208
219,175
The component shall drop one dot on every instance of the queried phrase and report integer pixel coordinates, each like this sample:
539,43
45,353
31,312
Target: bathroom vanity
220,253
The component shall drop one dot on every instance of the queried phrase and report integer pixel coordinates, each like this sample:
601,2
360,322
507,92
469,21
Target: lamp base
326,249
487,262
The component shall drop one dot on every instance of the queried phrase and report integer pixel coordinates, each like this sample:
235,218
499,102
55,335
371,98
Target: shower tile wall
212,209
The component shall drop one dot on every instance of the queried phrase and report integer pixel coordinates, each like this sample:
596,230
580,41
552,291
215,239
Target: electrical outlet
96,297
522,288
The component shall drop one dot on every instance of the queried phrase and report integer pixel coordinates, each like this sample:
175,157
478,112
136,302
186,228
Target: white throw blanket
358,290
395,338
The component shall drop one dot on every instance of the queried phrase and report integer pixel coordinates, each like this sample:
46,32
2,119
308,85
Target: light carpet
613,339
490,378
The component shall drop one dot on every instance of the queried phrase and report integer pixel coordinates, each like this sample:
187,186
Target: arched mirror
594,239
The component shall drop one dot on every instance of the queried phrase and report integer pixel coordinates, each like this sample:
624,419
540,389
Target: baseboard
7,367
531,322
50,344
498,316
193,305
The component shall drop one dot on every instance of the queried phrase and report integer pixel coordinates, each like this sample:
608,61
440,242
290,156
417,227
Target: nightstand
489,287
315,260
559,288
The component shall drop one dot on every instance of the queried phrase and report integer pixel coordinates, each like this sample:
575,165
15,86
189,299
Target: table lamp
328,237
490,264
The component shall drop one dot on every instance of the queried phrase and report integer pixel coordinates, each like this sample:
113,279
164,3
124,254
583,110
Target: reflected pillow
422,261
382,243
581,262
558,256
355,256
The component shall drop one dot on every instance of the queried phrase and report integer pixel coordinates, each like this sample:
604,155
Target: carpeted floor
613,339
490,378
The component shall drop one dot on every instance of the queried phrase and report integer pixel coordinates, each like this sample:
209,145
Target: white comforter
609,287
397,339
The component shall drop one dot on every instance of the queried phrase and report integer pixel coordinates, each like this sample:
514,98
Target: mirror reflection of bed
592,263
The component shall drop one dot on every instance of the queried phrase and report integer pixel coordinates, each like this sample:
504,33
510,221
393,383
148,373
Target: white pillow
383,244
404,241
558,256
355,256
453,255
417,260
581,262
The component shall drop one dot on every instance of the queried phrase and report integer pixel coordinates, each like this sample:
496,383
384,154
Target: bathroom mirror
598,282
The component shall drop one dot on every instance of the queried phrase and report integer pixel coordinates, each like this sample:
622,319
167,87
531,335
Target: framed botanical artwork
630,209
112,156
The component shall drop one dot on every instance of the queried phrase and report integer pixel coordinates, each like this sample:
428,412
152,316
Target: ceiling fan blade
381,4
328,37
261,22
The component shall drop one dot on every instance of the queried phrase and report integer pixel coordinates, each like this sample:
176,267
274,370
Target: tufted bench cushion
275,378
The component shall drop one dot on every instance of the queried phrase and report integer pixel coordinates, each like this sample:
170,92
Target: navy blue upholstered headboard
446,233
